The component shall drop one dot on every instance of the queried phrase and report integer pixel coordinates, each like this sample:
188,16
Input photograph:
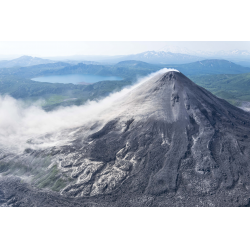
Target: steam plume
19,123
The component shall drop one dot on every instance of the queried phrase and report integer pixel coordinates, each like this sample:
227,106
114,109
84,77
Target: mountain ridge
212,66
184,50
158,57
24,61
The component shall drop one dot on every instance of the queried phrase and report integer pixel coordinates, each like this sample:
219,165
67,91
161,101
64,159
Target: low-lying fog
75,78
19,123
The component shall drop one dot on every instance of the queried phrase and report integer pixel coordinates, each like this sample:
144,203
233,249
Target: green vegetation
233,88
53,99
3,167
40,176
49,179
57,94
20,169
13,168
59,184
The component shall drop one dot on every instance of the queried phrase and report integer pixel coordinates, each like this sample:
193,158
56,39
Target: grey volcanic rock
168,142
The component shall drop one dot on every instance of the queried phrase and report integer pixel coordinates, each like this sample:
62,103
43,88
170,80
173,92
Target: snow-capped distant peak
176,49
183,50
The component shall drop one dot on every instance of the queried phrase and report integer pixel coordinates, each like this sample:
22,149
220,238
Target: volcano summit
167,142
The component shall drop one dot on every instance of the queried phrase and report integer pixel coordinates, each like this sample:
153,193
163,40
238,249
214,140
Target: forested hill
133,68
32,71
211,67
122,70
126,69
24,61
227,86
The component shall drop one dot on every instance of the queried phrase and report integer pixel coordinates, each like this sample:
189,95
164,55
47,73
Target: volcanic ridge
168,142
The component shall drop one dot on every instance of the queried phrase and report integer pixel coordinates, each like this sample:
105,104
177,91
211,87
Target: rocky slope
168,142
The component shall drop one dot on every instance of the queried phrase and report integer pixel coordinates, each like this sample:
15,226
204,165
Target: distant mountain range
211,66
158,57
84,62
236,53
241,57
183,50
168,55
204,67
83,58
24,61
129,69
139,64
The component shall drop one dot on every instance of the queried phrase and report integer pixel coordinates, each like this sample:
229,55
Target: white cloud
19,123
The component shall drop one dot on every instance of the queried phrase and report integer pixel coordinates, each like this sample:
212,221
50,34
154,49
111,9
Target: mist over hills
228,54
128,68
168,55
164,142
81,58
131,68
172,55
211,66
158,57
155,57
133,63
222,54
24,61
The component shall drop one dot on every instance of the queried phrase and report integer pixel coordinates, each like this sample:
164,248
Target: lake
75,78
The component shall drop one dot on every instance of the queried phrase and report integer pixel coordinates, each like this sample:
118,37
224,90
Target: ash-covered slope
168,142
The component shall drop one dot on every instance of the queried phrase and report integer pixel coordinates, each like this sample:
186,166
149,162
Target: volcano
168,142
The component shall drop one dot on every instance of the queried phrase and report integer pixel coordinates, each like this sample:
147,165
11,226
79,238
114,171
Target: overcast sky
108,48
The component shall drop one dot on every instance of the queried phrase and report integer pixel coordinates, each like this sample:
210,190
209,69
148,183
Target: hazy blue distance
75,78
